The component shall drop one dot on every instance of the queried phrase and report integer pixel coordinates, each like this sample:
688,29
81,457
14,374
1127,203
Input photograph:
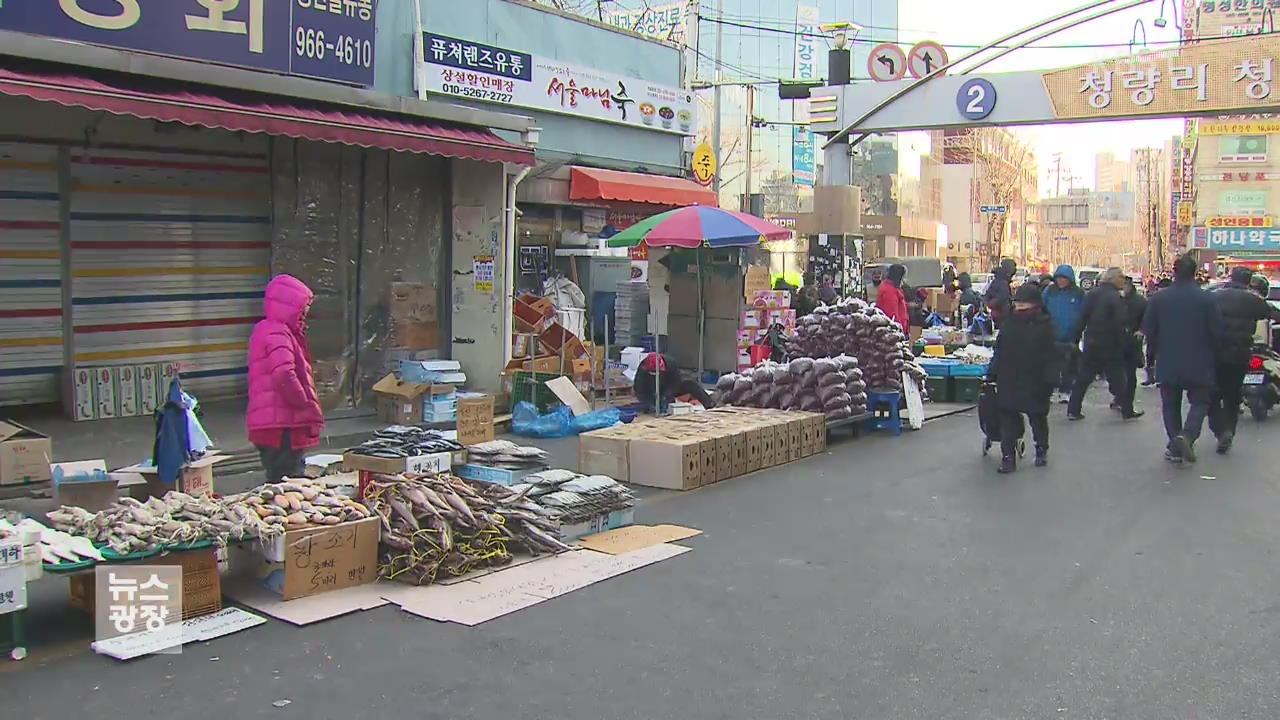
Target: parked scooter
1261,388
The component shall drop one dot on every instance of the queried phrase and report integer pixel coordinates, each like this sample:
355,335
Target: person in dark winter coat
1242,310
999,295
1064,301
1105,339
1135,306
1184,325
657,373
968,296
1024,369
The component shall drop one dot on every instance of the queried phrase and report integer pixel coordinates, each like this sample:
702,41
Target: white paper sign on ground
199,629
472,603
13,589
305,610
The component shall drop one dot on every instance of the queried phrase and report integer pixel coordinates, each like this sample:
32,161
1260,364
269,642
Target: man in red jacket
889,297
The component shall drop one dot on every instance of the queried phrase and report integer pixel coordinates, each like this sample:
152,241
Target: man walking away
1024,369
1105,340
1184,324
1241,311
999,295
1064,301
1135,306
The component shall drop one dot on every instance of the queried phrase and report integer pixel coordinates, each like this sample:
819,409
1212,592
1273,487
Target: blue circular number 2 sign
976,99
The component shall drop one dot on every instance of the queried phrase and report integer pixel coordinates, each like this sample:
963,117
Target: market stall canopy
615,185
691,227
210,107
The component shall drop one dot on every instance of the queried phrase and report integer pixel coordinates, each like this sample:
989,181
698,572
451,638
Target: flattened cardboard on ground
568,394
635,537
197,629
472,603
248,591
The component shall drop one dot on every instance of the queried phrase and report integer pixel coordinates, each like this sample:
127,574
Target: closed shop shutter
30,274
170,256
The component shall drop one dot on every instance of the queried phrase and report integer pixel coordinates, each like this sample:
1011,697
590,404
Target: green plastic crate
967,389
939,388
543,398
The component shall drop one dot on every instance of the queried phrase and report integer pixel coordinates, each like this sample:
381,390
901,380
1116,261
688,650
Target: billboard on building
803,171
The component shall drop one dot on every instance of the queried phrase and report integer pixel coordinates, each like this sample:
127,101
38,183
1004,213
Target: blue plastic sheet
526,421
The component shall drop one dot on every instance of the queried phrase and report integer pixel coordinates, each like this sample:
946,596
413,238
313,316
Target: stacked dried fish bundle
440,523
293,505
507,455
573,498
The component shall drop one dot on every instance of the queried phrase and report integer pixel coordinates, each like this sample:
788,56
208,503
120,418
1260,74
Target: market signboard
1223,75
1232,221
1237,239
473,71
1227,126
663,22
1222,18
325,39
803,171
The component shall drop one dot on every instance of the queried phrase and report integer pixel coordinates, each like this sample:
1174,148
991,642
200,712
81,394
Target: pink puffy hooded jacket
282,391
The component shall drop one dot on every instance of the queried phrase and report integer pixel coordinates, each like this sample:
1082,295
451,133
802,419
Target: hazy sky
971,22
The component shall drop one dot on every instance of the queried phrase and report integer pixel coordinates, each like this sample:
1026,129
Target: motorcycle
1261,388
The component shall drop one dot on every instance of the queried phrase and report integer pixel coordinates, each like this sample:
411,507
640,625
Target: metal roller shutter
31,342
170,255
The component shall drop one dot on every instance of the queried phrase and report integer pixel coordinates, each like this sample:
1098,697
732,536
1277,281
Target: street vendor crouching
657,373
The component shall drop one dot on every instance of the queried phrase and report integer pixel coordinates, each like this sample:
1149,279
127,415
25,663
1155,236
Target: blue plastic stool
884,408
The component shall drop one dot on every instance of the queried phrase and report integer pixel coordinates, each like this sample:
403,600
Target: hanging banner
669,21
803,169
474,71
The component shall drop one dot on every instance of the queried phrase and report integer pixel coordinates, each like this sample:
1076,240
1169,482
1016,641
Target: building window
1242,148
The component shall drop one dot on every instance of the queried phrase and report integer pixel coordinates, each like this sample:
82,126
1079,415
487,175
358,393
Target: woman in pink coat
284,416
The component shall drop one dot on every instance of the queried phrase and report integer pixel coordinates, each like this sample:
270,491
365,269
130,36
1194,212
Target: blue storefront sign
327,39
1237,239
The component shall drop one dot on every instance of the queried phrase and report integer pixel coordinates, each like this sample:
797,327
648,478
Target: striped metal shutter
30,274
170,255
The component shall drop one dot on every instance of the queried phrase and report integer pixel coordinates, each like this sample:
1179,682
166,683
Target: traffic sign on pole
925,57
993,209
886,62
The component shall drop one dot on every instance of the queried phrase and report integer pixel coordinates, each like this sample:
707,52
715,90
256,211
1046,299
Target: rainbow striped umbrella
698,225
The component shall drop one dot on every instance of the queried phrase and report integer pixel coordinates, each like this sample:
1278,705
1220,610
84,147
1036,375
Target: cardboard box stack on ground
112,391
201,584
765,308
24,454
689,451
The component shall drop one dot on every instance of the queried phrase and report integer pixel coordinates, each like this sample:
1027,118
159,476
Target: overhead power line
960,46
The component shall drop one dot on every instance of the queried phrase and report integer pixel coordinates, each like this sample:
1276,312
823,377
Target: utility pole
1057,175
716,97
751,132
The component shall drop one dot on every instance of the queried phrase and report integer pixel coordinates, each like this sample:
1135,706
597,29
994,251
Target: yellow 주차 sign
1185,213
1239,127
1258,221
1227,76
704,163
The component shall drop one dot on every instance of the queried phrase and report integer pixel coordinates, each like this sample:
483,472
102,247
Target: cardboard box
752,319
195,479
475,419
795,438
531,313
755,449
106,391
497,476
724,456
416,465
84,484
413,303
756,281
328,557
127,381
600,523
605,452
556,336
400,402
24,454
201,584
672,463
739,459
768,447
543,364
415,336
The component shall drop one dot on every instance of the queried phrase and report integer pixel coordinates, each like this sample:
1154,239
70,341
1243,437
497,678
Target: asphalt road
889,578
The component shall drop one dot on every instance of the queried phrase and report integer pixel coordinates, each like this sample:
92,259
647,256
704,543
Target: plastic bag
528,422
596,420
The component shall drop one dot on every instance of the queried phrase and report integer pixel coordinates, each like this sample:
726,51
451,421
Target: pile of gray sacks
838,353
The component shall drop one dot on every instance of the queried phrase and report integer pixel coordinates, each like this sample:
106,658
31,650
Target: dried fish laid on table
294,505
400,441
56,546
437,524
507,455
